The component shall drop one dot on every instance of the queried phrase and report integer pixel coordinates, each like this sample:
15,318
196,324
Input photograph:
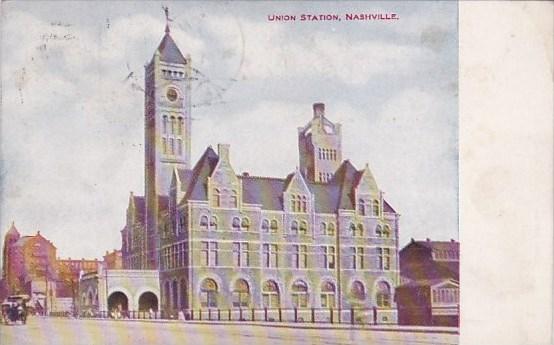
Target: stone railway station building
321,237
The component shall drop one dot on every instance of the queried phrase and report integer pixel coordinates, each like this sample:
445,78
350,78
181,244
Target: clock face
172,94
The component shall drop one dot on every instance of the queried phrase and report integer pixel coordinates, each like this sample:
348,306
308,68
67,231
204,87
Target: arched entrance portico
147,301
118,300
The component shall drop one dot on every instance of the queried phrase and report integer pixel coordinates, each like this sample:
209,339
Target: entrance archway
118,300
147,301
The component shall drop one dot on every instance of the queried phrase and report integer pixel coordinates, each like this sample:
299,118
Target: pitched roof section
197,187
12,231
268,191
169,52
440,245
346,177
265,191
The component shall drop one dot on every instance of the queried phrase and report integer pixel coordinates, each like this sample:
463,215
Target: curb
345,327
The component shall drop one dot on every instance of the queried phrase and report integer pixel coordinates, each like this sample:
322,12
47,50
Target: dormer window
265,225
216,198
361,206
245,224
236,223
274,225
204,222
376,207
303,227
294,227
234,199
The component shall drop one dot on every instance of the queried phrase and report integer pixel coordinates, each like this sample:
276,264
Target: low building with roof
429,293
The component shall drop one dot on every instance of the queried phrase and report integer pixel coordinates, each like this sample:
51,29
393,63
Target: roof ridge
261,177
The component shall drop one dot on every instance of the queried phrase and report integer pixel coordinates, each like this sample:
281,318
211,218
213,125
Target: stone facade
321,237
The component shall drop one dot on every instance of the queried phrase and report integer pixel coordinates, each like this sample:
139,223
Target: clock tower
167,129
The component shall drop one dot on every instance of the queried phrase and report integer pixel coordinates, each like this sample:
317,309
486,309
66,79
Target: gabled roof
268,191
169,52
197,187
12,231
185,177
346,176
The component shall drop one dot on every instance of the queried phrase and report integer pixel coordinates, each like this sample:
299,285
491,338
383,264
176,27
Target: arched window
180,125
361,205
331,229
293,203
323,228
216,198
378,231
208,293
204,222
234,199
171,146
300,294
376,207
245,224
360,230
294,227
303,227
173,127
386,231
241,294
164,145
383,296
270,295
274,225
358,290
165,124
327,295
265,225
304,204
352,229
213,223
236,223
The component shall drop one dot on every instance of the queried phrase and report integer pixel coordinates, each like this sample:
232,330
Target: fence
371,316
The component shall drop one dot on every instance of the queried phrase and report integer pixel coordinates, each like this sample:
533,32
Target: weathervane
167,19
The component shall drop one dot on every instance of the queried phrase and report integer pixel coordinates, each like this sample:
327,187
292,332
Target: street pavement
61,331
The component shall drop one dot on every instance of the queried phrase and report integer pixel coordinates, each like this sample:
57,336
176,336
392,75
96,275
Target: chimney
428,240
319,109
223,152
246,174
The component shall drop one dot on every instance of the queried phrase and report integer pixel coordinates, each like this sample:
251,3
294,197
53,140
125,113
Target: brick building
429,294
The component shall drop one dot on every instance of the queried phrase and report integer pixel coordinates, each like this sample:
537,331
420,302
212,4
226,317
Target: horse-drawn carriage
14,308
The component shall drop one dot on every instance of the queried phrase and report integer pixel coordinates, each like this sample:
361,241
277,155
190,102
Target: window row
169,74
325,177
224,198
446,254
446,295
298,203
174,124
270,255
369,207
174,256
172,146
299,294
296,227
327,154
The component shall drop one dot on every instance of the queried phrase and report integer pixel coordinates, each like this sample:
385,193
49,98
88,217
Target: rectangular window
329,257
300,256
270,255
209,253
357,257
241,254
383,258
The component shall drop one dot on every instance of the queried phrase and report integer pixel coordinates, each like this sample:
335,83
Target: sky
72,128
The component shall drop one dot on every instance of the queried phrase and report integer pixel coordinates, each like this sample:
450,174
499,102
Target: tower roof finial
167,20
